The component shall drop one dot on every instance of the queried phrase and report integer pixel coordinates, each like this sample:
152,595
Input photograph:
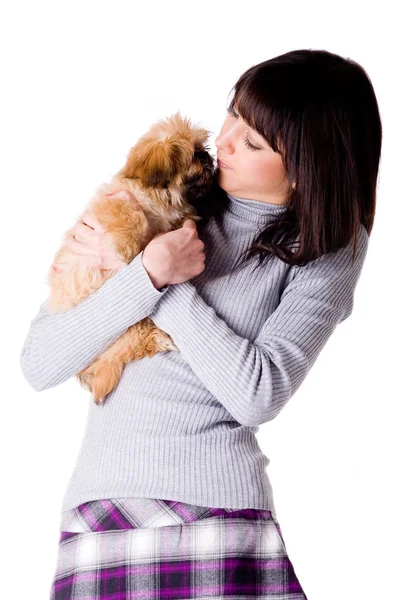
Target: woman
169,496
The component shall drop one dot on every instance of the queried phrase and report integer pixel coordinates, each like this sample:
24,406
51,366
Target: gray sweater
181,425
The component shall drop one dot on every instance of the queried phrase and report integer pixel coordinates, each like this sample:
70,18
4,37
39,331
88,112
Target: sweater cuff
146,276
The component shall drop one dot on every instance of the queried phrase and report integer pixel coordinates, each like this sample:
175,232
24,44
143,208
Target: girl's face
255,171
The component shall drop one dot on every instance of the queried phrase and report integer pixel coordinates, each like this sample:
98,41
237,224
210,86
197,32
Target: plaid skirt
145,548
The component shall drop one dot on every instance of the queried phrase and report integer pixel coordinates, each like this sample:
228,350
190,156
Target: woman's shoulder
336,266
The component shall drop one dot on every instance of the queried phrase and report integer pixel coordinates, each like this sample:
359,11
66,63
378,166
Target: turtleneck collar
256,211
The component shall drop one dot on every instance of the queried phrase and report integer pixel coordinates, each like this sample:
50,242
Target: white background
81,81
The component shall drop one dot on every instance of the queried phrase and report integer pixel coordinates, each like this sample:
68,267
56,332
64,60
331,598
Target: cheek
267,169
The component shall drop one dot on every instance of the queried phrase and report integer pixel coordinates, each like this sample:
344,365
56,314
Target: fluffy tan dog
167,169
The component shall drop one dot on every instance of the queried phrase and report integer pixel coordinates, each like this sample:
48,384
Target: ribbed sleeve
181,425
60,345
255,380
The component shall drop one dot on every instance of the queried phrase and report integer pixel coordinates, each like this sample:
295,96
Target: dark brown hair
319,111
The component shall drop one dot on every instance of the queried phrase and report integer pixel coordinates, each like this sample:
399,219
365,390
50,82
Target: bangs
318,111
260,115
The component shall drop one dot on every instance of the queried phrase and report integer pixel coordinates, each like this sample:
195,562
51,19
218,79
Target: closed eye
245,140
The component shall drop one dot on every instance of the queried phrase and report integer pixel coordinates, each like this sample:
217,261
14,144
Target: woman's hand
174,257
87,240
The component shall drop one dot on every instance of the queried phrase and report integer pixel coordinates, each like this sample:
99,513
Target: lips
223,164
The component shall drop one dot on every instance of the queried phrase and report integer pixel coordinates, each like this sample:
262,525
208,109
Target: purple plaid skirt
145,548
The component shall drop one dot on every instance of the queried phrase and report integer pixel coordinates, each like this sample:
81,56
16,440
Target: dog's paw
100,378
169,344
163,341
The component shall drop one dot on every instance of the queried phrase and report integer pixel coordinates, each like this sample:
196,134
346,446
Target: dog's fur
167,169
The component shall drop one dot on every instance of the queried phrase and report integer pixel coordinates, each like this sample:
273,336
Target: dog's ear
155,162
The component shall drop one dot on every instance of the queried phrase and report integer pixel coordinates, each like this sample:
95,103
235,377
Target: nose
225,141
224,144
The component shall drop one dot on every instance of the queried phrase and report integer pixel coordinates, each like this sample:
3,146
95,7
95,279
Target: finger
84,233
89,219
122,194
58,266
125,195
84,236
112,264
104,264
88,261
189,223
79,248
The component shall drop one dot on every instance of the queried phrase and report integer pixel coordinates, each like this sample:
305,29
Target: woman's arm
254,381
60,345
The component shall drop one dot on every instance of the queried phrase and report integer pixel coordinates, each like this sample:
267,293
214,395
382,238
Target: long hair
319,111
